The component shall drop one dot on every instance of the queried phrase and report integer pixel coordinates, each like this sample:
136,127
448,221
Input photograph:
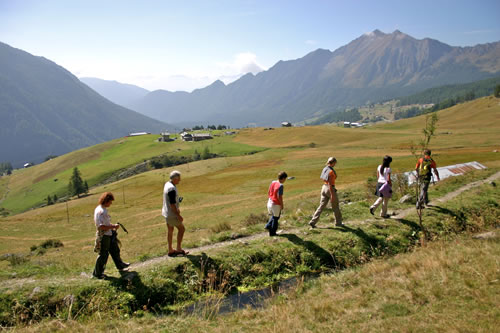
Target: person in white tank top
383,178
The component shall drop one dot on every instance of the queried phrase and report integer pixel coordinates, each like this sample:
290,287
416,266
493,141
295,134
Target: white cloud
311,42
153,77
242,63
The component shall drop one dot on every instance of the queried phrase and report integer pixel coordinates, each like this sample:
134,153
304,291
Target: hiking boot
100,277
339,224
372,209
386,216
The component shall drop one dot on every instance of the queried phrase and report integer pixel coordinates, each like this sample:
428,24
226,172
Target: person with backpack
328,194
424,168
384,187
275,203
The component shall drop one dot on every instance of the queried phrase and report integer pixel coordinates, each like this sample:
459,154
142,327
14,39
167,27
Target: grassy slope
227,190
444,281
30,187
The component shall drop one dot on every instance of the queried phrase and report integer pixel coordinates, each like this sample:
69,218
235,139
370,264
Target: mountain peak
374,33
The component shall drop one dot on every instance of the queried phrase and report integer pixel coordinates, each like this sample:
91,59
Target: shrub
223,226
44,246
254,219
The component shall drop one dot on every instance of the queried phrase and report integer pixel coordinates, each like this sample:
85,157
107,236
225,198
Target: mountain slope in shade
373,67
45,110
119,93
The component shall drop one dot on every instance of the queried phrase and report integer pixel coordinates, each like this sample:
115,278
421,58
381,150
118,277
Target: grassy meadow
227,190
221,193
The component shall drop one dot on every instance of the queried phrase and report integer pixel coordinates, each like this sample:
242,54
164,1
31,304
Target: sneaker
124,267
339,224
371,210
312,225
100,277
386,216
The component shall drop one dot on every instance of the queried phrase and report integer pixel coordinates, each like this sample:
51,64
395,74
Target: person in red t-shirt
424,168
275,203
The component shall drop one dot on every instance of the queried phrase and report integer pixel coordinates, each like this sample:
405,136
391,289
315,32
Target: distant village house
286,124
165,137
139,133
196,136
27,165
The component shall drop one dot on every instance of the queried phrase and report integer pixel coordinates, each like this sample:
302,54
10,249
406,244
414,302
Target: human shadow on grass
459,217
152,297
367,238
327,259
411,224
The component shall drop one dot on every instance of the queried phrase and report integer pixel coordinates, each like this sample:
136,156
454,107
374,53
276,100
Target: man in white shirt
172,213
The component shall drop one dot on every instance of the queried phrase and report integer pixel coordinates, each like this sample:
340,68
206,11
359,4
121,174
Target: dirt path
400,215
155,261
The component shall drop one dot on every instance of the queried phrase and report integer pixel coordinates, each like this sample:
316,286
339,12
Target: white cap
331,160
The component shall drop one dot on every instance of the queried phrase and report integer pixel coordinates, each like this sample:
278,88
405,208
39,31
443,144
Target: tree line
351,115
5,168
457,92
166,161
209,127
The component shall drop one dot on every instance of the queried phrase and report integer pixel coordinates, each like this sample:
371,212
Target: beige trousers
325,198
384,201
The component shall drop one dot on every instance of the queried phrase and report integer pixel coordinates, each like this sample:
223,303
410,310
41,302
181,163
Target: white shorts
273,209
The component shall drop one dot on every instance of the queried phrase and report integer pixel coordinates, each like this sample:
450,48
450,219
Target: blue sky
182,45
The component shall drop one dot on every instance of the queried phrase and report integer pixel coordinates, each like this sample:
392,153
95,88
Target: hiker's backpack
425,167
326,172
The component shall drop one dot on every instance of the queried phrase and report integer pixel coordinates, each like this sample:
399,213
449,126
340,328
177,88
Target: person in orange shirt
424,168
328,194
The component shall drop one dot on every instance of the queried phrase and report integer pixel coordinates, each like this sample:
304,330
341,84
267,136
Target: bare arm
280,198
389,180
108,227
437,174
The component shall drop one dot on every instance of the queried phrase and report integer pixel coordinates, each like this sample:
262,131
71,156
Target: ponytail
385,163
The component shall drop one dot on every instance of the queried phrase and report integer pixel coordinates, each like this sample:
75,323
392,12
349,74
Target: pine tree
497,90
49,200
76,185
55,198
86,186
206,153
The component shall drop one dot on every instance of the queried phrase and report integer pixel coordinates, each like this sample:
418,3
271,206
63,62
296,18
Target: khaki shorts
173,221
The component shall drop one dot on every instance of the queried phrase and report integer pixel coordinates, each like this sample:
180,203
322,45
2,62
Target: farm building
347,124
27,165
196,136
286,124
138,133
186,136
165,137
202,136
230,133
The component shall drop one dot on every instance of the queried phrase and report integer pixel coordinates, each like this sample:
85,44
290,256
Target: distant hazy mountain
45,110
373,67
119,93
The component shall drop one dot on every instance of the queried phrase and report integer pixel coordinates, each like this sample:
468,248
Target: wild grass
255,219
220,227
444,281
162,288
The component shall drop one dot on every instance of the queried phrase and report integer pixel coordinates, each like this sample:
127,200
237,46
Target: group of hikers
107,243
